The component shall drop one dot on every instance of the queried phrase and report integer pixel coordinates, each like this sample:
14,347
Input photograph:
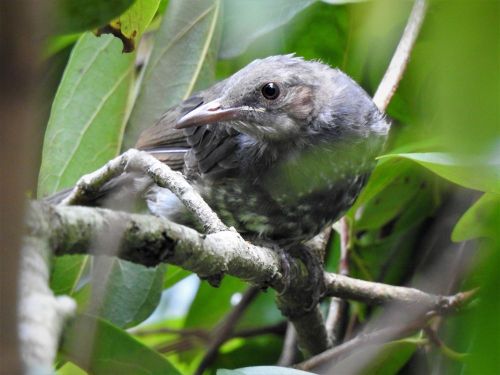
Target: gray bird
279,150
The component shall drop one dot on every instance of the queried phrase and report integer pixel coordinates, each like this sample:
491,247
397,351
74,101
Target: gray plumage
276,168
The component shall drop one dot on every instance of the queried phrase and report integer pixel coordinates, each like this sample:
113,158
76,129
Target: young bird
279,150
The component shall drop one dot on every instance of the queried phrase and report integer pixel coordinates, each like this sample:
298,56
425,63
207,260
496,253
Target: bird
279,150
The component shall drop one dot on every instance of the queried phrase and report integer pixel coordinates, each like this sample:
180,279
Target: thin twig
338,307
289,350
378,337
224,331
89,186
397,66
377,293
274,329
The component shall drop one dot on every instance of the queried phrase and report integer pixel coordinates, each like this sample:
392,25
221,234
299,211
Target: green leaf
391,358
260,17
66,273
183,42
336,2
173,275
263,370
131,24
74,16
469,171
239,352
214,302
481,220
482,326
390,202
135,20
87,117
57,43
262,311
130,291
383,175
100,348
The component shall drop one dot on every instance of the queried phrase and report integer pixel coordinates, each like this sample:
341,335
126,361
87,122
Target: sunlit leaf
67,272
131,24
481,220
173,275
182,44
472,172
87,117
136,19
100,348
74,16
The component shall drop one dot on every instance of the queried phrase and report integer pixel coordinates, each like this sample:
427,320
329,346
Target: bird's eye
270,91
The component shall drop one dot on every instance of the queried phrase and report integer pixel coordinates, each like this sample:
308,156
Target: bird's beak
206,114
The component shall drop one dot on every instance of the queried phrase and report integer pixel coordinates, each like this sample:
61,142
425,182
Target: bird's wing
208,149
164,141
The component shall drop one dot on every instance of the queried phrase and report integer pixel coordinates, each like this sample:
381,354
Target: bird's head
283,97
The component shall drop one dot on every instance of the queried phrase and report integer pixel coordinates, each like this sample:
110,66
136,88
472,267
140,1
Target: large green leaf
73,15
182,44
127,293
100,348
383,175
469,171
87,117
260,17
481,220
391,201
132,292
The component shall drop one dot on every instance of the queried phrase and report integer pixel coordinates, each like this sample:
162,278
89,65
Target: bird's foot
315,286
312,290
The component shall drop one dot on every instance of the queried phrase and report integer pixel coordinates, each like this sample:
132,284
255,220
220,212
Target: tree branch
88,187
399,61
151,240
41,314
377,337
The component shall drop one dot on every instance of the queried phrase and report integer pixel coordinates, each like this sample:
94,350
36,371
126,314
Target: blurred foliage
445,134
73,16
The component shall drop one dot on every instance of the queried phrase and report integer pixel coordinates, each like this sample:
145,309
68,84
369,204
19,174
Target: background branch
399,61
225,330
